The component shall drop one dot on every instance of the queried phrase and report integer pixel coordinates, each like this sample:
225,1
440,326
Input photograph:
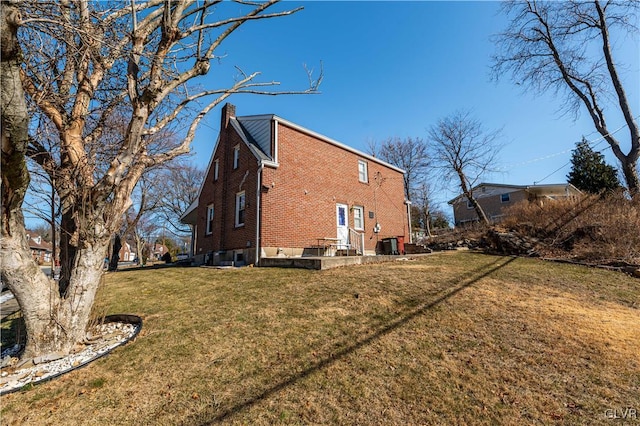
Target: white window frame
216,169
236,157
210,215
469,204
363,171
358,218
241,206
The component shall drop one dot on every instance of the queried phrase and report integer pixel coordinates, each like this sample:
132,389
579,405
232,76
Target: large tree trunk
55,318
115,253
482,217
68,250
630,171
53,323
19,271
139,248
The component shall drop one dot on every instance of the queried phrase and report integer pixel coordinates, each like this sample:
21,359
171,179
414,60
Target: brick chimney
228,112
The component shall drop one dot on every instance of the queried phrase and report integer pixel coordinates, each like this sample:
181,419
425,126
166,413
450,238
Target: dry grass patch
592,228
453,338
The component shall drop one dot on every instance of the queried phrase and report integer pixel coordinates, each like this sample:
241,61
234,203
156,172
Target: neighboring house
157,250
274,188
495,197
127,252
40,249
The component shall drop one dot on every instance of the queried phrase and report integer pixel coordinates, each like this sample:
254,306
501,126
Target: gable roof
256,132
546,189
36,242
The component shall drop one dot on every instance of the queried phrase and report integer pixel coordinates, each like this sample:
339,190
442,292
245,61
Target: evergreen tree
589,171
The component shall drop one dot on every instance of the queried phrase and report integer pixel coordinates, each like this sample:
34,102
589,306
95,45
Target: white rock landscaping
105,337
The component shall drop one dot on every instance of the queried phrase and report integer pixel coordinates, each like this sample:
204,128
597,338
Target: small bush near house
603,229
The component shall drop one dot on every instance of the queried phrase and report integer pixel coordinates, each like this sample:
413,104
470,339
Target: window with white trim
216,169
363,172
236,156
240,208
210,212
469,204
358,217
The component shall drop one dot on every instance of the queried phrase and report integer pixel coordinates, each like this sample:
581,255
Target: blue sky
393,69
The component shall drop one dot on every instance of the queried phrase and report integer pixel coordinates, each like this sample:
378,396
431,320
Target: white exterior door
342,221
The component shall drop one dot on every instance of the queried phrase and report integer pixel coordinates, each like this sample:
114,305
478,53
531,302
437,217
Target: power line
592,145
599,140
546,157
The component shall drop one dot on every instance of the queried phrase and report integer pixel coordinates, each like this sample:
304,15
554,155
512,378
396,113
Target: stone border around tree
41,372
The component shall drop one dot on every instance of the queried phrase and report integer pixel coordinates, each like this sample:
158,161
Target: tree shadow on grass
451,288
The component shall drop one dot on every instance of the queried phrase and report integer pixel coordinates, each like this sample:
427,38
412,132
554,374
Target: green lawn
451,338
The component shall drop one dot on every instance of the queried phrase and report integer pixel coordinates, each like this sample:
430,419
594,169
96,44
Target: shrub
595,228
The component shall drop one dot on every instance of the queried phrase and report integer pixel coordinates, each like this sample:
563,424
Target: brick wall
222,192
312,177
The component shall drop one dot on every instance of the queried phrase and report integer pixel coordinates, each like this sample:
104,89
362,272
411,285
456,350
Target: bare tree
409,154
158,201
552,46
145,203
81,63
178,188
464,152
422,206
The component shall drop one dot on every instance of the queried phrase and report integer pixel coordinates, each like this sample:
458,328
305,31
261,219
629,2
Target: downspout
258,192
192,246
408,203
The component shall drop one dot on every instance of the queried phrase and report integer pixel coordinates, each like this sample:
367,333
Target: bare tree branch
549,46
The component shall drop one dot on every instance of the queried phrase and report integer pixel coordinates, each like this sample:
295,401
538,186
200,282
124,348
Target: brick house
41,250
495,197
127,252
274,188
